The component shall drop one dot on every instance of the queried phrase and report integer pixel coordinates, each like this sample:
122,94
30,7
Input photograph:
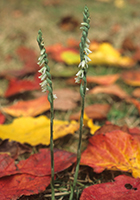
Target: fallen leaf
13,187
111,89
132,77
89,123
19,86
66,99
32,175
136,93
13,148
103,80
123,188
106,54
28,108
94,111
128,44
40,164
36,130
136,56
2,118
115,150
68,23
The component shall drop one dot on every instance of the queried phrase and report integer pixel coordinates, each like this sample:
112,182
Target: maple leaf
123,188
111,89
36,130
20,86
13,187
30,176
132,77
115,150
28,108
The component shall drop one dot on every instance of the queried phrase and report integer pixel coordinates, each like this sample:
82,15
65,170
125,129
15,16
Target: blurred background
59,20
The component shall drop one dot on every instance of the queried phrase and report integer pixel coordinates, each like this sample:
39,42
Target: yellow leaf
89,123
36,130
106,54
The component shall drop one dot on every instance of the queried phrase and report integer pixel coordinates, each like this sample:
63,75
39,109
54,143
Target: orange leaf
103,80
115,150
28,108
111,89
132,77
94,111
123,188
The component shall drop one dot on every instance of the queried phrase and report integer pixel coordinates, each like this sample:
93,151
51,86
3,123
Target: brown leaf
66,99
103,80
132,77
136,93
95,111
68,23
111,89
14,148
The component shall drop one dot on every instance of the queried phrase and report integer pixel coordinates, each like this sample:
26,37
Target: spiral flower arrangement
81,75
46,85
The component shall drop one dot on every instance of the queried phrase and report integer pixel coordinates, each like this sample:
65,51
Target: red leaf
2,118
15,186
123,188
37,164
19,86
40,164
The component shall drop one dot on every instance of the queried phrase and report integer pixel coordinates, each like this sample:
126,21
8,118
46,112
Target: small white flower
87,40
87,59
42,77
44,83
42,70
87,51
87,89
77,80
54,96
80,73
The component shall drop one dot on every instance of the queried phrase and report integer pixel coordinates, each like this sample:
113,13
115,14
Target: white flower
77,80
87,89
80,73
87,40
87,51
87,59
42,70
54,96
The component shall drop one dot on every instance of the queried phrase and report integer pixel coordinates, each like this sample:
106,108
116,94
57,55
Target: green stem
80,140
51,150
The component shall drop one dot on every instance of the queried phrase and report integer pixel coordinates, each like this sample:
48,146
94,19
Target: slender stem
52,152
80,141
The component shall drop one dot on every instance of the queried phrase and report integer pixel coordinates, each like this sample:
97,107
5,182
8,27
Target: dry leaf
103,80
132,77
28,108
115,150
95,111
111,89
66,99
36,130
123,188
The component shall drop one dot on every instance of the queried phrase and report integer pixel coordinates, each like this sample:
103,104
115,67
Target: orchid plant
81,76
46,85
